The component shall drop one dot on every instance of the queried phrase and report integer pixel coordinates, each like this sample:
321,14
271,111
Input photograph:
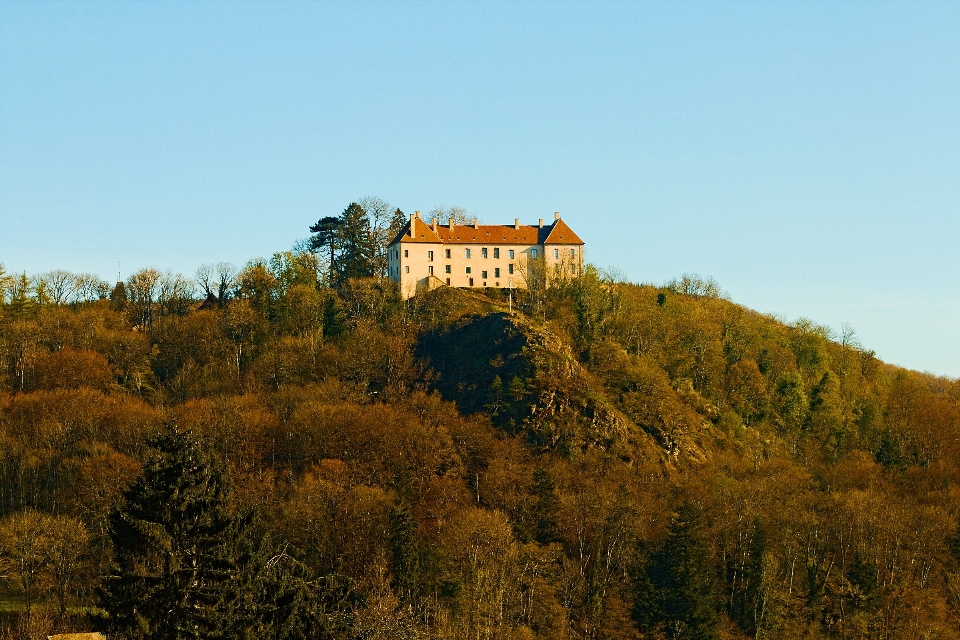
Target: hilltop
599,459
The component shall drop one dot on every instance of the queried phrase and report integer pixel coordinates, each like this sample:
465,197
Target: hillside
599,460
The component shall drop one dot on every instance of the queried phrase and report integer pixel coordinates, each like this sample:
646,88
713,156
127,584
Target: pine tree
118,297
326,237
181,558
397,220
546,508
679,588
356,245
406,557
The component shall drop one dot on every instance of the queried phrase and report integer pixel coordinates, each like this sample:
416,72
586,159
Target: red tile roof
557,233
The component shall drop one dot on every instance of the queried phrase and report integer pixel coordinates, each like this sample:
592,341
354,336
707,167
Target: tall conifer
179,553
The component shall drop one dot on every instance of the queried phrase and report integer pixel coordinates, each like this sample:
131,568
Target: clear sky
806,155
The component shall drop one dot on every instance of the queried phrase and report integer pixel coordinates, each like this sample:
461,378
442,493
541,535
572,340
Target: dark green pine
177,570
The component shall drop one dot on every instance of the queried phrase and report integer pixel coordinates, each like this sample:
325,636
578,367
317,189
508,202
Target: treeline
266,448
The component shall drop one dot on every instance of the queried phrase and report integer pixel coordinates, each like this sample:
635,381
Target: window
430,270
556,254
496,252
483,274
496,272
471,281
510,253
468,254
430,256
510,268
573,269
533,253
446,268
573,253
408,269
406,253
468,269
448,282
446,253
483,252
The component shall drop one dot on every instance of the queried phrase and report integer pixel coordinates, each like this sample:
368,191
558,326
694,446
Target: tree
546,508
205,277
406,553
67,543
226,275
397,220
677,589
442,215
143,287
90,287
24,548
178,568
118,297
326,236
19,292
379,215
356,247
6,281
61,286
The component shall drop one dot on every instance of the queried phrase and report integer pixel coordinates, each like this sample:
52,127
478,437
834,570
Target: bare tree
379,213
206,279
67,543
226,280
175,293
442,215
143,287
61,286
89,287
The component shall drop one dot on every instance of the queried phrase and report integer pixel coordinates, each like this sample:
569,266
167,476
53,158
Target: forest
288,450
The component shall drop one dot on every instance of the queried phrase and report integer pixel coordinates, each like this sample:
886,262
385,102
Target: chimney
434,224
451,225
556,216
412,217
476,223
541,223
516,223
418,215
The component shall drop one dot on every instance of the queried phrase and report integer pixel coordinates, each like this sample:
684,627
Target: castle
425,256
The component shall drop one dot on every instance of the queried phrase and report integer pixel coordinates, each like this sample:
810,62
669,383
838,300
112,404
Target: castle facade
424,256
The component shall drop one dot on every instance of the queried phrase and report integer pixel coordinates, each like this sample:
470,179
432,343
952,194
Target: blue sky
806,155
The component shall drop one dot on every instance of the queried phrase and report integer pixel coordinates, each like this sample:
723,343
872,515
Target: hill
597,460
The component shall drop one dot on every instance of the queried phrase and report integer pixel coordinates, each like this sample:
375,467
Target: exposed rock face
525,378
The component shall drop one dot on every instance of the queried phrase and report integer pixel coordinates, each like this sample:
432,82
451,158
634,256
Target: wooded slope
610,461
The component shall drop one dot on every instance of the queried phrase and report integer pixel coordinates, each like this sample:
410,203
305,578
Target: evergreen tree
326,237
118,297
22,302
181,558
678,592
406,561
397,220
356,245
546,508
